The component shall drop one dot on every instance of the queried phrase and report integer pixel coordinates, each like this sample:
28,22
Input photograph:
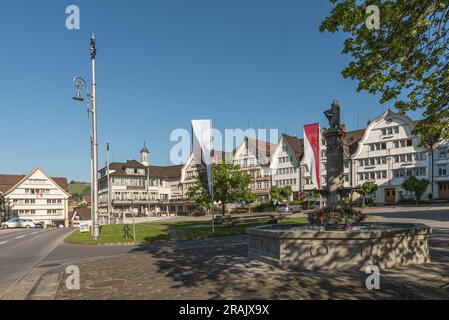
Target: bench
272,218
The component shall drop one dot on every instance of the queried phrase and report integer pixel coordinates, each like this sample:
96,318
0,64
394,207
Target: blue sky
161,63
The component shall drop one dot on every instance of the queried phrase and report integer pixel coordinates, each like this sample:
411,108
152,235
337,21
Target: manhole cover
107,283
49,265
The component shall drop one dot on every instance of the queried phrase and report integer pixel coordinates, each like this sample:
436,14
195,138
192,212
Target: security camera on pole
80,83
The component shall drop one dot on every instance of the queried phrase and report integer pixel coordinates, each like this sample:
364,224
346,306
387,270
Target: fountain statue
334,143
337,236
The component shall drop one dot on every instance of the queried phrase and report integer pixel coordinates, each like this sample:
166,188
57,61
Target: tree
366,190
417,186
280,193
405,60
230,185
2,207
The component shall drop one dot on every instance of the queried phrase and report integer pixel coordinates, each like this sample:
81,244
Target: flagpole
212,204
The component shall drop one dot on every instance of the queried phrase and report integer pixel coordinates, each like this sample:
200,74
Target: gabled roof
297,145
352,139
167,172
84,214
9,181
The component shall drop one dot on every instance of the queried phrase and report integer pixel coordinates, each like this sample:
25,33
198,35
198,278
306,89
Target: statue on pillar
333,115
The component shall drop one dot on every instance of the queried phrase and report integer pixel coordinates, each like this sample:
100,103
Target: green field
164,231
79,188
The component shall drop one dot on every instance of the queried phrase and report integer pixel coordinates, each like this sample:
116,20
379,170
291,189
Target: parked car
294,208
38,224
282,208
18,223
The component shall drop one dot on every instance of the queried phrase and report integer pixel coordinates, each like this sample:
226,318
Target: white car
18,223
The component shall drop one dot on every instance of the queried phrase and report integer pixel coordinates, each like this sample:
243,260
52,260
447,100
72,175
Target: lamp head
78,96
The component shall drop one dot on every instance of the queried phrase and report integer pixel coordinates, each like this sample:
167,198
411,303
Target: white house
36,196
285,164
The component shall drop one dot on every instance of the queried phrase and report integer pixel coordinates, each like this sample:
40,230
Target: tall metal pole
109,184
93,52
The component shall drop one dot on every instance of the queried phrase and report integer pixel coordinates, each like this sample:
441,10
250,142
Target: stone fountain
386,245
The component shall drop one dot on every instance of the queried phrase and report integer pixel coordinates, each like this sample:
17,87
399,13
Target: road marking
3,242
35,232
20,236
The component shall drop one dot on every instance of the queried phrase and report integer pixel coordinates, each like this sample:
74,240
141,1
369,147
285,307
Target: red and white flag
312,151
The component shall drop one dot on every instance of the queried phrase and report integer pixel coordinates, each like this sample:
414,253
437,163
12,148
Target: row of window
135,171
33,201
407,172
402,143
260,185
32,212
37,181
136,182
37,191
285,182
372,161
286,170
285,159
390,131
135,196
373,175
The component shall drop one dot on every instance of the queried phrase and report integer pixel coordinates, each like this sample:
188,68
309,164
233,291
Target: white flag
202,146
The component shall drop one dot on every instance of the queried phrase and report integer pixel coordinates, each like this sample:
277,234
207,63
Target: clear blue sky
161,63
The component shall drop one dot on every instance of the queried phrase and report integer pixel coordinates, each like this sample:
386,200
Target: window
420,156
442,170
409,142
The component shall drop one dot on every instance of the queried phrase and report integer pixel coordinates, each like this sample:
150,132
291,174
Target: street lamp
91,100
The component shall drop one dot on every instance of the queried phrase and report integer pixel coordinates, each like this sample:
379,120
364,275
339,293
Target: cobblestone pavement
220,269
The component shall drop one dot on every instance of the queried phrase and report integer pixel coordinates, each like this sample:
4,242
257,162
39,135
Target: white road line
20,236
35,232
3,242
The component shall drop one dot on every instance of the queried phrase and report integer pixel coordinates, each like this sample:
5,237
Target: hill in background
79,188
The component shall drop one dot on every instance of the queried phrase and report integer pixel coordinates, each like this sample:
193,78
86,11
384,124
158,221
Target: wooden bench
239,219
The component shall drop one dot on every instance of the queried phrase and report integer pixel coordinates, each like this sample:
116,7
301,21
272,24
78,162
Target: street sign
84,226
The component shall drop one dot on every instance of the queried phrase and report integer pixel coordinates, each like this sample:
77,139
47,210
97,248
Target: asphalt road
21,249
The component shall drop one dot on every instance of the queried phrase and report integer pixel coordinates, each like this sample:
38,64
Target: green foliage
405,61
417,186
280,193
366,190
230,185
79,189
2,207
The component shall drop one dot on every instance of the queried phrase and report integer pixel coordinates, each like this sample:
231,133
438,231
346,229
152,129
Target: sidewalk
220,269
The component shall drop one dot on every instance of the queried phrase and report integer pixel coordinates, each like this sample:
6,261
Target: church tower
144,155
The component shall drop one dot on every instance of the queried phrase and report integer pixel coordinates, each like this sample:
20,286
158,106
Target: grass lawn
163,231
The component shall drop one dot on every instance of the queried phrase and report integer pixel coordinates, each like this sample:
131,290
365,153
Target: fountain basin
386,245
